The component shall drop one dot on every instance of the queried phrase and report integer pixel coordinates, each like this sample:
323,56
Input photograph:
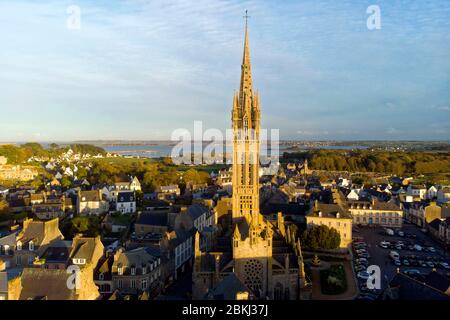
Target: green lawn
333,281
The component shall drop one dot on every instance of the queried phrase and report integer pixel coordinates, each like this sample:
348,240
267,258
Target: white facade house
443,195
126,202
431,193
49,166
343,182
135,185
68,172
184,250
353,195
416,191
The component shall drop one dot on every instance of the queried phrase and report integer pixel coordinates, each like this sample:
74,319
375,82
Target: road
379,256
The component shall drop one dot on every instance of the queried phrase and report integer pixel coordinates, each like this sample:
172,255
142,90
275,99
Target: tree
87,225
321,237
4,211
4,206
65,182
38,182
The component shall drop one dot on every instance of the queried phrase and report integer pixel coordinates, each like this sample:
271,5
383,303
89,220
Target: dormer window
19,246
79,261
120,270
144,269
101,276
133,271
31,246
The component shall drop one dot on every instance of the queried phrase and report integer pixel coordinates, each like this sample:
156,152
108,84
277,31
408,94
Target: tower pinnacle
246,71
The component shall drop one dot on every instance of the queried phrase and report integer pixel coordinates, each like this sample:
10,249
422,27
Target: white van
394,255
389,232
417,247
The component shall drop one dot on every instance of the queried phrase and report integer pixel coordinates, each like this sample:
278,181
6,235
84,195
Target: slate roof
157,218
438,281
9,239
435,224
40,231
291,208
58,251
197,210
329,211
50,284
228,288
84,248
376,205
126,196
90,196
137,258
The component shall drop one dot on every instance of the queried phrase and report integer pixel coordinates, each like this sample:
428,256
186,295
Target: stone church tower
254,254
252,238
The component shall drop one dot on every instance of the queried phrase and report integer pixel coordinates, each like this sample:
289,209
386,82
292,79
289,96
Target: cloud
392,131
142,68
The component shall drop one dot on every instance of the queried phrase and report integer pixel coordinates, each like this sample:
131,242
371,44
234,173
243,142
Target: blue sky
141,69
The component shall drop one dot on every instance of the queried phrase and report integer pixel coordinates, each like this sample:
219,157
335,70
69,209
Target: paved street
181,289
379,256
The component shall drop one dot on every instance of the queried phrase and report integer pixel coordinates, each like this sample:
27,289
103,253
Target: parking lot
410,258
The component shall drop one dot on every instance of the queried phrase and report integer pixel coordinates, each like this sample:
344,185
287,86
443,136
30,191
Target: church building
254,258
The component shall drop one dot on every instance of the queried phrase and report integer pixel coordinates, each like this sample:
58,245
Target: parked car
394,255
361,260
412,271
430,264
401,233
445,265
405,262
359,268
384,244
364,275
417,247
397,262
390,232
431,249
423,264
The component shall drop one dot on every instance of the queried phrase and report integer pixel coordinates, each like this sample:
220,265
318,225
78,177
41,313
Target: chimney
26,222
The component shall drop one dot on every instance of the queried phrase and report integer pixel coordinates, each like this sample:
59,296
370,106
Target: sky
139,70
